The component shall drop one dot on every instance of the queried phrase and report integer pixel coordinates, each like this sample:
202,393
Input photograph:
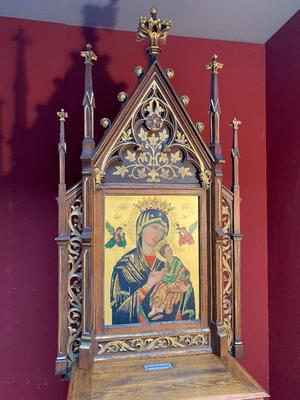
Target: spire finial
214,65
235,123
214,109
88,54
235,153
154,29
62,115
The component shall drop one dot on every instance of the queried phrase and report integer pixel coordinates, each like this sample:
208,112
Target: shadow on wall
29,175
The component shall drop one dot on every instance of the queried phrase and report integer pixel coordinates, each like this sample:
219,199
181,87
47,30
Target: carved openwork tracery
74,280
154,343
154,148
227,271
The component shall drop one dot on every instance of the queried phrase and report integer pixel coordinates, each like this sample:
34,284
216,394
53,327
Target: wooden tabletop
192,377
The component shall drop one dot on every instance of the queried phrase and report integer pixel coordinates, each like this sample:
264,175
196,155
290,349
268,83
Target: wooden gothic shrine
149,248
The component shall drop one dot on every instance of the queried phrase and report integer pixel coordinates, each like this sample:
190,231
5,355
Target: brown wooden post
236,237
219,337
88,145
62,241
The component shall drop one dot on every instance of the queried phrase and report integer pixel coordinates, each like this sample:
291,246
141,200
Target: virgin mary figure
136,274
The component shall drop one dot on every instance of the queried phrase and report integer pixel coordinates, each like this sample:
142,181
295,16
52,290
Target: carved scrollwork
153,343
74,280
227,272
153,147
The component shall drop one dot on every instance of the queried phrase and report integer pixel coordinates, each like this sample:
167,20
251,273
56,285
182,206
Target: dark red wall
283,146
40,72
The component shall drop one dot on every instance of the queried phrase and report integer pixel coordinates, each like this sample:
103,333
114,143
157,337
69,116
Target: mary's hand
182,287
155,277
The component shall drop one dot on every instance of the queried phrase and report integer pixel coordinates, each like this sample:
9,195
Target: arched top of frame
153,140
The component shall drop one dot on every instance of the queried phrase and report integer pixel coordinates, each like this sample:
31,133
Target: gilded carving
105,123
214,65
74,280
153,343
227,272
154,29
88,55
205,178
98,176
153,147
62,115
235,123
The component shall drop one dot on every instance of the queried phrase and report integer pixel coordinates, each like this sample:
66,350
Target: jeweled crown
154,203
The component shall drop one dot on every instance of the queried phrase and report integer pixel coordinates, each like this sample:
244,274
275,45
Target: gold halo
133,216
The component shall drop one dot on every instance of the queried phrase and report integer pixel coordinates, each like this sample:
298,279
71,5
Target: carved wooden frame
81,332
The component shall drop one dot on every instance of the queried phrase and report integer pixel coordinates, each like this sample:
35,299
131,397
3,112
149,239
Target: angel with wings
117,236
186,235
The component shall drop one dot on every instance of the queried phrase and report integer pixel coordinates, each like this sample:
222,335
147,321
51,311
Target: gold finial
105,123
62,115
122,96
154,29
214,65
185,100
138,71
200,126
169,73
88,55
235,123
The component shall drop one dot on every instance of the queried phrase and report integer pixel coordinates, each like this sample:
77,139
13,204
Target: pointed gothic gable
153,140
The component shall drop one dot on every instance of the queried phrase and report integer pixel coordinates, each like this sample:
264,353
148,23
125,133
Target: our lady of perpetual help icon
155,280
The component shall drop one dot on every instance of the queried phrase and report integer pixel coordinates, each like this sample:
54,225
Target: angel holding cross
186,235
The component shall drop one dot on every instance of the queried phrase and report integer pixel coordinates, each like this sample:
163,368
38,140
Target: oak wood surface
201,377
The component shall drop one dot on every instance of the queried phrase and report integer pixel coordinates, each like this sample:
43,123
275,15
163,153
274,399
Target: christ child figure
175,281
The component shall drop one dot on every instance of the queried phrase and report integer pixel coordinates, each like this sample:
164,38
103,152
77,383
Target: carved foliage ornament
153,343
227,272
154,29
153,148
74,280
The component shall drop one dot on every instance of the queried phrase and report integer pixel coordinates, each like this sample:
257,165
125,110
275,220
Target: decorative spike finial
214,65
236,236
88,54
88,103
214,109
62,115
235,123
154,29
62,147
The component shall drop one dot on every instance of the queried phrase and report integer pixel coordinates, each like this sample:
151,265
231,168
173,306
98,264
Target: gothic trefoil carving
154,148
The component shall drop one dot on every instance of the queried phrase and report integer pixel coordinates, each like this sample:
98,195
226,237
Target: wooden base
193,377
